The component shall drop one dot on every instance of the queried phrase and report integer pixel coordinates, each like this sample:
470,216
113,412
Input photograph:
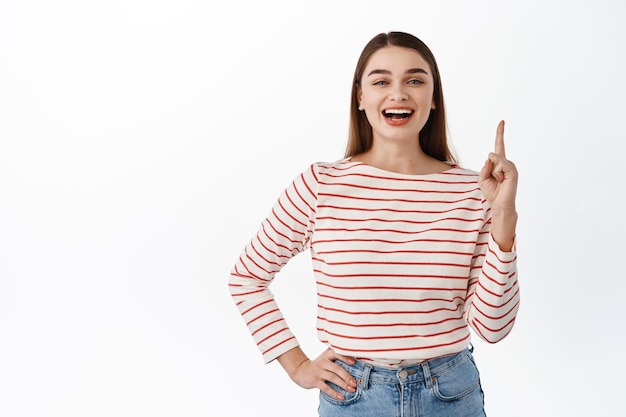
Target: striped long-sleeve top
404,264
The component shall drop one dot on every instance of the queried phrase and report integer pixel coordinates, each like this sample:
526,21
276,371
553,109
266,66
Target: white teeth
398,111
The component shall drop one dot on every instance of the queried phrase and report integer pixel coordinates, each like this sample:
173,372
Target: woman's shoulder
456,169
334,166
320,170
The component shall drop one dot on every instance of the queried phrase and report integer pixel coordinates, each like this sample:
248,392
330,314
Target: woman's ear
359,95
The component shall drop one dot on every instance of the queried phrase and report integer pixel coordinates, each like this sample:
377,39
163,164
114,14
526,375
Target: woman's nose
397,93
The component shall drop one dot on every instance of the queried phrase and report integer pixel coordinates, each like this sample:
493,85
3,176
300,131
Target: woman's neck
401,159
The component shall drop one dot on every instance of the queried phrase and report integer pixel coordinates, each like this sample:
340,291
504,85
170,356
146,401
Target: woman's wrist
503,226
292,359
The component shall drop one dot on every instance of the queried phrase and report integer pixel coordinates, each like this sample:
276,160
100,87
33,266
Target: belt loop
428,379
471,348
365,379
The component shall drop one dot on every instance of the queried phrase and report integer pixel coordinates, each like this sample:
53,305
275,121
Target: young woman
409,251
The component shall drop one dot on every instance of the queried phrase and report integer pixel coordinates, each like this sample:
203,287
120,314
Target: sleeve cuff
274,353
505,256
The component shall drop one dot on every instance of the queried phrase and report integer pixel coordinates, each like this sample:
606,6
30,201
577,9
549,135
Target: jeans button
403,374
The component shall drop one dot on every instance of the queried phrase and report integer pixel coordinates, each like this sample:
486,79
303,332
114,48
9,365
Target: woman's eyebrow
379,71
387,72
417,71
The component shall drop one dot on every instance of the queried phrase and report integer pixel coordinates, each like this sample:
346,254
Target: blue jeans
445,386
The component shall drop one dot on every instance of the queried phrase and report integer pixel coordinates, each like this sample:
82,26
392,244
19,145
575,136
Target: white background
143,142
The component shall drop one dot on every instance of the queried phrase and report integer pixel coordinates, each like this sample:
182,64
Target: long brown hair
433,137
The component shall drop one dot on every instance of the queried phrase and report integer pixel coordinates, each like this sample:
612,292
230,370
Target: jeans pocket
457,382
348,397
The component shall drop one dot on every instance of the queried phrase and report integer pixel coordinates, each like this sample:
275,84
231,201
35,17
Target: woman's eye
416,82
381,82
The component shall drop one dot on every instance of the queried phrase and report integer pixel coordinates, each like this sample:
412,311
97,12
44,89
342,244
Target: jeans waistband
365,373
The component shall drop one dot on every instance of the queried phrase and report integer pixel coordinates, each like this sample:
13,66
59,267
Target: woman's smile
398,116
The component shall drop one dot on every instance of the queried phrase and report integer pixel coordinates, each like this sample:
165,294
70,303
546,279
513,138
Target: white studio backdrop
143,142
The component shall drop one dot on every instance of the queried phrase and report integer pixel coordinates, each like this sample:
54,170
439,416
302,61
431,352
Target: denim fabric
446,386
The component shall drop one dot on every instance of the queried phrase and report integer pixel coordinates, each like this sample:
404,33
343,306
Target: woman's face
396,93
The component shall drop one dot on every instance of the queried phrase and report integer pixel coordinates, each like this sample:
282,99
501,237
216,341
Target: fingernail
339,397
352,383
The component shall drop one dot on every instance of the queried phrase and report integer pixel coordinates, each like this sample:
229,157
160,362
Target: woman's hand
498,183
314,373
